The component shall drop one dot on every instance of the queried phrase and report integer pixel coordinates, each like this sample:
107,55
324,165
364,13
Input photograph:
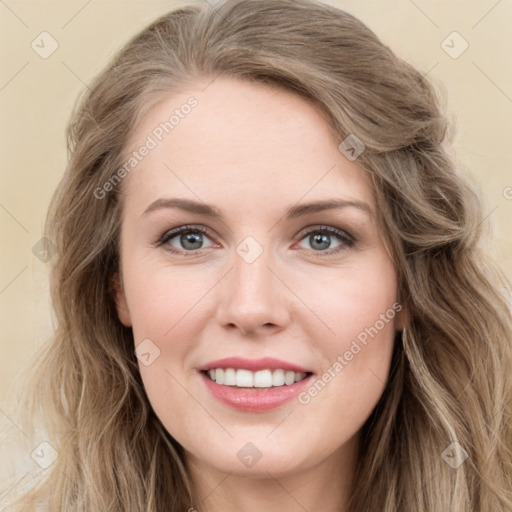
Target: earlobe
405,315
401,319
121,305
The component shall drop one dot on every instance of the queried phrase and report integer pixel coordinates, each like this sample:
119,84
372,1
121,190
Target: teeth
260,379
289,378
229,377
278,378
219,376
244,378
263,379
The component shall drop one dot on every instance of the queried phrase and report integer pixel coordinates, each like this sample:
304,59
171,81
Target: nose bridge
252,295
252,277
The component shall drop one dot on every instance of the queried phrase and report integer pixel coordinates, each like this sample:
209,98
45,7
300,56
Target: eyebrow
296,211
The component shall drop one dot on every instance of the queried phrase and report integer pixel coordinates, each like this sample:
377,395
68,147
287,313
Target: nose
252,298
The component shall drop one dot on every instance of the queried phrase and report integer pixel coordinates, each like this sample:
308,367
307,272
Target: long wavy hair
449,387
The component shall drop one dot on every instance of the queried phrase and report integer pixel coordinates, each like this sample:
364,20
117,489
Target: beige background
36,97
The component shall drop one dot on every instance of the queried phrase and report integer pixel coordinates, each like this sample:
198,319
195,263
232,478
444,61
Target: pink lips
253,364
254,399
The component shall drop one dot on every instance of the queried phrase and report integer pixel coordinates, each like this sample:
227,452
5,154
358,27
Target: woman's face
271,291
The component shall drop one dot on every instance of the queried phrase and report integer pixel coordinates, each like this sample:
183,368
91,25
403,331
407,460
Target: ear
400,321
404,315
122,307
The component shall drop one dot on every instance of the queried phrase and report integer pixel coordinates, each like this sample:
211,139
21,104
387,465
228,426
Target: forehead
239,142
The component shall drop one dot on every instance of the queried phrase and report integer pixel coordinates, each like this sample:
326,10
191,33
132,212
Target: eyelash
346,239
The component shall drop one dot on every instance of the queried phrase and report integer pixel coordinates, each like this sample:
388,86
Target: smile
266,378
254,385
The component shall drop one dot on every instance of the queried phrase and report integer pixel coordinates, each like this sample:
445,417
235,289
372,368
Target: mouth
254,385
261,379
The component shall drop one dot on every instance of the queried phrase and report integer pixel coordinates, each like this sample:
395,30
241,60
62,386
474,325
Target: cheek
166,309
360,310
355,303
164,301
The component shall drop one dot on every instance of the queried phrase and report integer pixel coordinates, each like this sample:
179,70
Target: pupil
321,238
191,238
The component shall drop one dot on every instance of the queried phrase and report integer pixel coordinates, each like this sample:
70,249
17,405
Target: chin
255,459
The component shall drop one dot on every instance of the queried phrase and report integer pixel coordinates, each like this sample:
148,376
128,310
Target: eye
320,239
189,238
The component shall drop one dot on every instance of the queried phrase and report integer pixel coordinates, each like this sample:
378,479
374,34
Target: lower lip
256,399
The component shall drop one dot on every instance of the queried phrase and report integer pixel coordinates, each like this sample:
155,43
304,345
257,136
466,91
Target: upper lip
254,364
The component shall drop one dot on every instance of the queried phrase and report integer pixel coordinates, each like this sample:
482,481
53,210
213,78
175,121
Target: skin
253,152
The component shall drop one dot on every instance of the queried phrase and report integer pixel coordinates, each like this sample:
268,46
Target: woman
269,282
